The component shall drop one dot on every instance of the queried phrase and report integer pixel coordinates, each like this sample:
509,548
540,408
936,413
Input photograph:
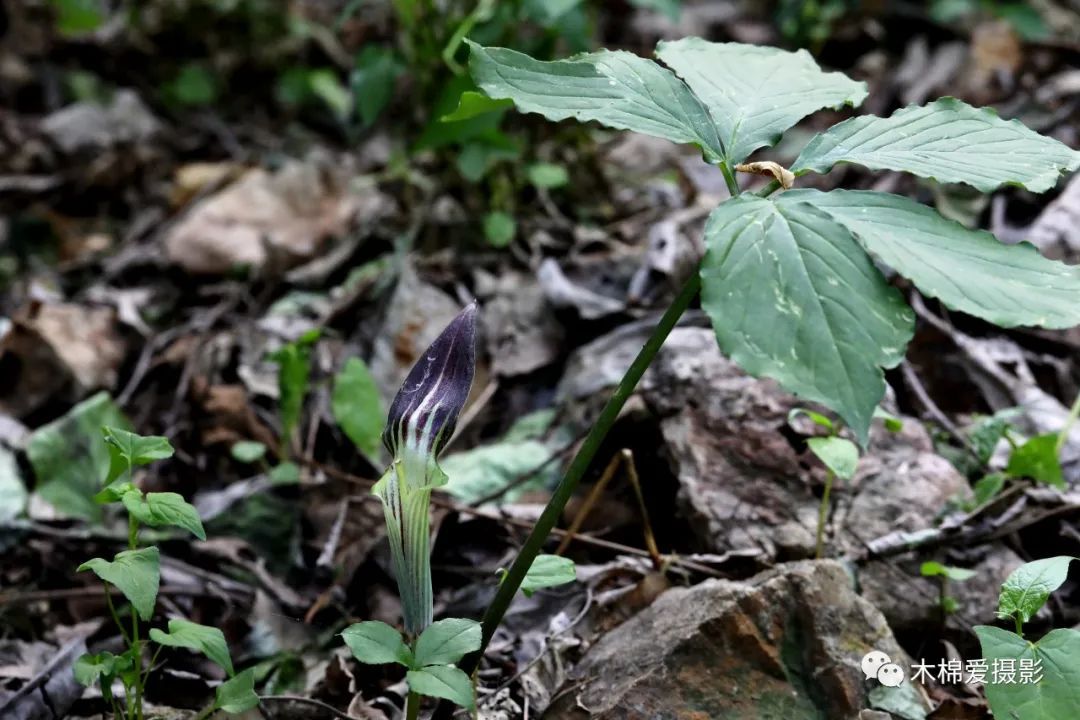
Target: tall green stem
769,189
1063,434
823,515
589,447
729,178
133,544
412,707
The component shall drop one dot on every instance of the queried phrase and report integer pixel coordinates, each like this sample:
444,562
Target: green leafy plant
1054,658
294,372
135,572
789,282
429,660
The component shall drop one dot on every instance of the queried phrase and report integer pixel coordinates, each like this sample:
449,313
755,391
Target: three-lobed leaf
135,572
548,571
376,643
753,93
792,296
357,407
90,668
447,641
968,270
164,508
1025,591
617,89
1055,692
209,641
948,141
442,681
128,450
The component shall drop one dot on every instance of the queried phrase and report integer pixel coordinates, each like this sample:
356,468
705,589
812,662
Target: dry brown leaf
265,221
52,343
767,167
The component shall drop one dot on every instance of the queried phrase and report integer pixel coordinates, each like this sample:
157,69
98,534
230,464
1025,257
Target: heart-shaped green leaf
1038,459
839,455
1055,691
238,694
209,641
135,572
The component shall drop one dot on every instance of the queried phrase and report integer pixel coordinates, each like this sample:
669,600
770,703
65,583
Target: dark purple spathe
425,410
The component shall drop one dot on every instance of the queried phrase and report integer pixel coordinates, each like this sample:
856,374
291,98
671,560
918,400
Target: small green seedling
945,573
840,457
294,371
1052,663
135,572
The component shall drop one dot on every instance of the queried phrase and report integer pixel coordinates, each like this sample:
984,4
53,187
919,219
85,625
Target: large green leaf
447,641
376,643
793,297
756,93
209,641
968,270
618,89
948,141
135,572
1055,695
1028,587
69,458
442,681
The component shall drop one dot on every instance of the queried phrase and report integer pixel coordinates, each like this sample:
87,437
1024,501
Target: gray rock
784,645
743,484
